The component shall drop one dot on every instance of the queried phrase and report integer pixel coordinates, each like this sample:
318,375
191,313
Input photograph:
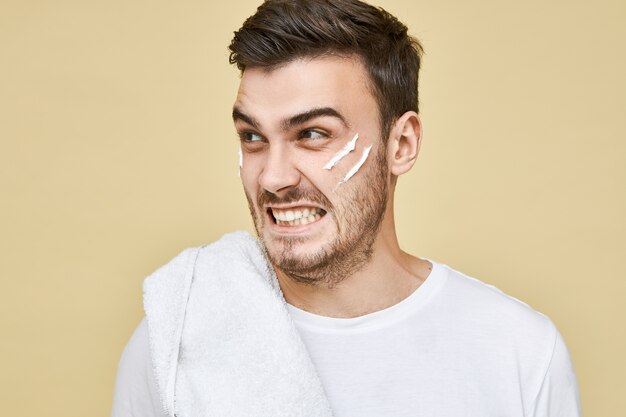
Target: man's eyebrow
294,120
305,116
239,115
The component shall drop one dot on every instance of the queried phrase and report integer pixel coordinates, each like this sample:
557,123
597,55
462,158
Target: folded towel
221,338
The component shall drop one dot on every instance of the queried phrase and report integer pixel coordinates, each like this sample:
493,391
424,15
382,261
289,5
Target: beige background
117,151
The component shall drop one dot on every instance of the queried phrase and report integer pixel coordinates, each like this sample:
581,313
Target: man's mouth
296,216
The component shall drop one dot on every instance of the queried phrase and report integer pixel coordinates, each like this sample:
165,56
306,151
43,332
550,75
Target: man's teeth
296,217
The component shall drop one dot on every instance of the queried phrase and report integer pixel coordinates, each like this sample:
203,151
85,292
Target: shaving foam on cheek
356,167
348,147
240,161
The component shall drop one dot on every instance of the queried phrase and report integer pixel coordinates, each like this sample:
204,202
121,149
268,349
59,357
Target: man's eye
312,134
250,137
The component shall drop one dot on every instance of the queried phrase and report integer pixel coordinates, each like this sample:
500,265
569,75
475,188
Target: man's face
292,120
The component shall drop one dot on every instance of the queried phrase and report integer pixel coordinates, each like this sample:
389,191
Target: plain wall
117,151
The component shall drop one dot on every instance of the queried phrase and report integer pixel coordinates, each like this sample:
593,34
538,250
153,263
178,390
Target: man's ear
404,143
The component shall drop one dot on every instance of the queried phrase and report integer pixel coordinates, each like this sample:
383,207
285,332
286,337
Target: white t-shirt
455,347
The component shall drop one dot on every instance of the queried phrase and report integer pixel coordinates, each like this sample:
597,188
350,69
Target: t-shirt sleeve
558,395
136,393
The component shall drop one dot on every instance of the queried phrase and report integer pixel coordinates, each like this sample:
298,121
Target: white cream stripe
358,165
348,147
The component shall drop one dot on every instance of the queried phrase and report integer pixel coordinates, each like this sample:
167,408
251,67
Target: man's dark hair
282,31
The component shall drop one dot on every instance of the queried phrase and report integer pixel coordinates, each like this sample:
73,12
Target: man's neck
390,276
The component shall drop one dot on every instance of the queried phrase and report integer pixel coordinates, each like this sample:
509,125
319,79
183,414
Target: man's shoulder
474,301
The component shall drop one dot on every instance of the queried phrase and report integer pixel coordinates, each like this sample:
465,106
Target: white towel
221,338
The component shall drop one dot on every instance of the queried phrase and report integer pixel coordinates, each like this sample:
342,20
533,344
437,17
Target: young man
324,314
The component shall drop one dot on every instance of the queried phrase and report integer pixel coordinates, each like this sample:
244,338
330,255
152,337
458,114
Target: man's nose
279,172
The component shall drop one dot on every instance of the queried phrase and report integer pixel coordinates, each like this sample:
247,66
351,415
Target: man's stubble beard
361,212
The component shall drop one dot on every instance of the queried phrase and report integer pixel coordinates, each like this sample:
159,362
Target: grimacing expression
291,121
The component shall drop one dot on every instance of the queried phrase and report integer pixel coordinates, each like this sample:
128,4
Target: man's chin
287,249
292,254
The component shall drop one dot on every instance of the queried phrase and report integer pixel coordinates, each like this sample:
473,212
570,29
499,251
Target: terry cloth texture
222,340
